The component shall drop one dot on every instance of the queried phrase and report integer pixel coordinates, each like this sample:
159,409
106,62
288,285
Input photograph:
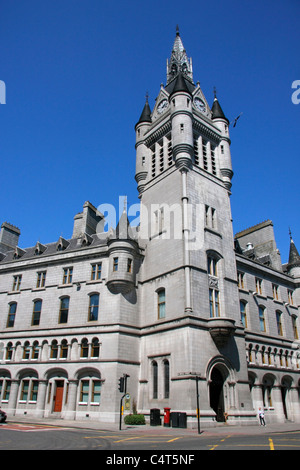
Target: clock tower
189,293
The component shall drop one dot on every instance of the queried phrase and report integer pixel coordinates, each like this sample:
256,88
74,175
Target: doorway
216,394
58,397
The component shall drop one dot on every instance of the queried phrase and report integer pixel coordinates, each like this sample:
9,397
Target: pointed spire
294,257
146,113
179,61
217,111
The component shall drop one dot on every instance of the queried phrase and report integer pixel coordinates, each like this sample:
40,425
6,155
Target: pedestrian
261,417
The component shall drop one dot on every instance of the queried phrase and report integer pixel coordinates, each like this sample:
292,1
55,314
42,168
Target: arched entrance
216,394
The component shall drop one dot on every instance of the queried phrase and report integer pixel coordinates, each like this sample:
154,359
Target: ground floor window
90,391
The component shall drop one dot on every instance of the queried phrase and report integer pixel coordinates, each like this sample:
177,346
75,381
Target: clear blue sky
76,74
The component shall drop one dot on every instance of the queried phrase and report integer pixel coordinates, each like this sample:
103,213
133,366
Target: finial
177,30
290,233
147,96
215,92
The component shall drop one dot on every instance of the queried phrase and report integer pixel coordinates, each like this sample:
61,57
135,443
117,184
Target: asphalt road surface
16,436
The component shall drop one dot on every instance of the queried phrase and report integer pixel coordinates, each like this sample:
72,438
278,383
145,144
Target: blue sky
76,75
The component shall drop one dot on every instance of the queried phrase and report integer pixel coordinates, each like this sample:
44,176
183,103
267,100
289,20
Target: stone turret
222,123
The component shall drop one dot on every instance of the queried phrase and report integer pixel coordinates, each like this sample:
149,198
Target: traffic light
121,384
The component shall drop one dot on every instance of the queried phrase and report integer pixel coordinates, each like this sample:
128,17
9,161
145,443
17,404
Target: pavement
219,429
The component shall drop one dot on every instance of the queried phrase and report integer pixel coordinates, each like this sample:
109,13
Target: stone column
13,396
41,399
72,395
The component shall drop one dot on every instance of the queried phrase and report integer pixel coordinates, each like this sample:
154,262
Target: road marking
175,439
213,447
271,444
128,439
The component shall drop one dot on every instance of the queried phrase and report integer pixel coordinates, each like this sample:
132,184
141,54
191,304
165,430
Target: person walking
261,417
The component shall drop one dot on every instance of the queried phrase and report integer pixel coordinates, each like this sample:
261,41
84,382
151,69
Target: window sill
213,231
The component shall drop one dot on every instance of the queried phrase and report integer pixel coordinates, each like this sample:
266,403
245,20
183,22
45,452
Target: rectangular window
64,310
6,391
290,297
68,274
36,314
96,271
129,265
295,329
24,390
93,307
258,285
96,391
84,391
17,282
115,264
275,291
262,324
241,280
41,279
212,266
214,306
279,323
243,314
34,390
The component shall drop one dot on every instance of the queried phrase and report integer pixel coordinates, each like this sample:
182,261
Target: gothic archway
216,394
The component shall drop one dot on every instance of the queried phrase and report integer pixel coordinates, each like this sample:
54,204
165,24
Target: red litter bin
167,417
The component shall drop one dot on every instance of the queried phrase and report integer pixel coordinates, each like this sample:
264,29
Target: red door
58,399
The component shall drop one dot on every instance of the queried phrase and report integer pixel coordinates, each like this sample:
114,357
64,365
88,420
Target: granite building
175,303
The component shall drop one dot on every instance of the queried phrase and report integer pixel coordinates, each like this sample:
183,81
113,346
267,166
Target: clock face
162,106
200,105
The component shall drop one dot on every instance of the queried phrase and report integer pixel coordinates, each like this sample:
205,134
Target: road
22,436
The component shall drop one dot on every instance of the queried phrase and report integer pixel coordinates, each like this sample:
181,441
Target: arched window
93,307
36,313
64,310
64,349
95,352
166,378
35,350
161,303
84,352
279,322
243,313
295,329
54,350
11,314
262,321
155,379
26,350
9,352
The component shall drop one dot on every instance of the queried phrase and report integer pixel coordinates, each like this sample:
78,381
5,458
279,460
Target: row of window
56,350
63,311
260,288
267,356
89,391
262,319
67,278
